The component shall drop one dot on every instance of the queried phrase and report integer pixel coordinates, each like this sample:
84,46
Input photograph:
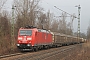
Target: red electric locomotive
33,38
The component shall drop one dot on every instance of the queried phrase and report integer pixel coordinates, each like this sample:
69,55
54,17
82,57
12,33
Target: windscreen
26,32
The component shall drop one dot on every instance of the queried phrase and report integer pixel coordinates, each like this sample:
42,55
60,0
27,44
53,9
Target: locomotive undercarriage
24,46
27,47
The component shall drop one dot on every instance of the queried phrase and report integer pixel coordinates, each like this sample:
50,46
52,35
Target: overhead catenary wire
61,10
52,7
65,12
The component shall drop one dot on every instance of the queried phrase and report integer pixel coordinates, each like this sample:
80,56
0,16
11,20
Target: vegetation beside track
81,53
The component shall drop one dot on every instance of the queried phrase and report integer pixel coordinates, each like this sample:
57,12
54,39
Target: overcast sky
68,6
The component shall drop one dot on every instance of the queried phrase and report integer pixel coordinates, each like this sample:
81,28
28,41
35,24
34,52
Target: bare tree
49,20
69,29
54,25
27,9
2,2
62,27
4,31
41,20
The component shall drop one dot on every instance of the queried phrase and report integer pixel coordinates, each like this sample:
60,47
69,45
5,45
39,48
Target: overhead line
50,5
65,12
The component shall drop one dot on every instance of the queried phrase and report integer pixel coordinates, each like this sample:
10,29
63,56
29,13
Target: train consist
33,38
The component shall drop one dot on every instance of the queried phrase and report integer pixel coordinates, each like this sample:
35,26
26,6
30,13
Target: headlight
28,44
18,44
19,38
29,38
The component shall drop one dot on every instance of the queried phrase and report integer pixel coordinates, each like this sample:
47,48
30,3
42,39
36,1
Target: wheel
56,46
47,46
36,49
32,49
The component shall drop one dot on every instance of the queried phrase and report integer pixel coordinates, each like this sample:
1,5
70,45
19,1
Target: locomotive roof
43,30
32,27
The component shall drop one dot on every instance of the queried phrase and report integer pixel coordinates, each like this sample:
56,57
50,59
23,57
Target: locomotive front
25,38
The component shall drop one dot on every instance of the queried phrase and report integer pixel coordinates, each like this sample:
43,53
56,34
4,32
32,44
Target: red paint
37,38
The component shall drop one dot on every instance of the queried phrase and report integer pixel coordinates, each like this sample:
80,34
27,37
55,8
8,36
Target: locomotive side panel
39,38
43,38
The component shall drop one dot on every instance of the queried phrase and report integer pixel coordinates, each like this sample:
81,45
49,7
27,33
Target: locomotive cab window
26,32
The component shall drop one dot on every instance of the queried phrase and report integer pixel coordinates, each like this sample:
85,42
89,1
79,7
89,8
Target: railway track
5,56
44,54
47,54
